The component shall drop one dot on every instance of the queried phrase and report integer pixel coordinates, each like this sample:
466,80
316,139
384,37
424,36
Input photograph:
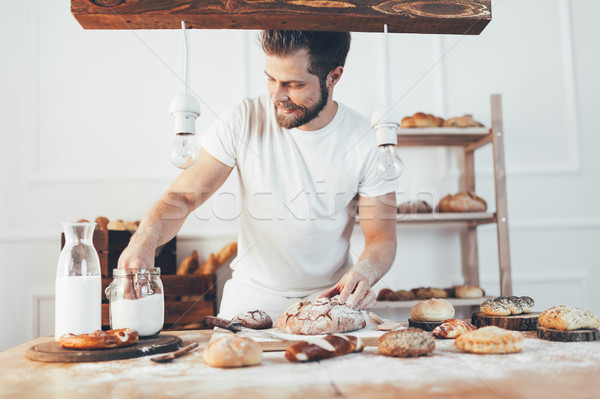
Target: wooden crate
179,312
110,244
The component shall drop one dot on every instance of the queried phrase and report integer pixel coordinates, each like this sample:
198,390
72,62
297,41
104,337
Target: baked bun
490,339
256,319
404,295
232,351
387,294
462,121
468,291
100,339
319,316
421,119
102,222
409,342
566,318
462,202
504,306
414,207
453,328
430,292
432,310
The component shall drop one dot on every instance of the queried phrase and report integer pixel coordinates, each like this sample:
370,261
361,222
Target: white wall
85,132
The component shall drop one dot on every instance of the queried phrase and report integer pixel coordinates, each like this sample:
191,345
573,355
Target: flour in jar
145,315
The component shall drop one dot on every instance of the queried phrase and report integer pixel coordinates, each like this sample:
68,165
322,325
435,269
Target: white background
85,131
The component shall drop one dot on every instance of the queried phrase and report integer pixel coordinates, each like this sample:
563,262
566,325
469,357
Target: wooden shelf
444,136
456,302
474,218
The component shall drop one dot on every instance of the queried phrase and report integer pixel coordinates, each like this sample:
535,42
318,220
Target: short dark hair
327,50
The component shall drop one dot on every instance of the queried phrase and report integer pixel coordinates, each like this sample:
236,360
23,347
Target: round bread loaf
468,291
462,202
565,318
418,206
232,351
405,295
386,294
409,342
256,319
432,310
320,316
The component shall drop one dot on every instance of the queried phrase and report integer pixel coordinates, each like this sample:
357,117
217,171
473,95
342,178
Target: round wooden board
53,352
518,322
568,336
424,325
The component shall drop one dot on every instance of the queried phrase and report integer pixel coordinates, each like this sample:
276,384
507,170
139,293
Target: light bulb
389,164
184,152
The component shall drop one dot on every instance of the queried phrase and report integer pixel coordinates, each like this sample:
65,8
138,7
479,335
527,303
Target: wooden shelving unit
470,139
407,305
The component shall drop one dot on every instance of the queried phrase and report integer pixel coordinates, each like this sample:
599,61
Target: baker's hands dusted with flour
354,288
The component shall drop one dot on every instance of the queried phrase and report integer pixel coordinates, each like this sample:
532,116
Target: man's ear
334,76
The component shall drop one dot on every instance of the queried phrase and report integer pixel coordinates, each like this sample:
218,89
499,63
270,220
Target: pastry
566,318
256,319
189,265
409,342
323,348
430,292
421,119
319,316
232,351
462,202
100,339
504,306
453,328
468,291
490,339
414,207
432,310
462,121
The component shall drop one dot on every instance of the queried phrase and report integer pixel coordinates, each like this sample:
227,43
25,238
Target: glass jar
136,300
78,298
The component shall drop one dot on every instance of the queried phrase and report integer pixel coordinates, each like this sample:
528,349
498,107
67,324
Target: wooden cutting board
568,336
53,352
424,325
518,322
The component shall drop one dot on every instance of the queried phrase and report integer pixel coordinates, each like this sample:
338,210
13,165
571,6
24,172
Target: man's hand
354,290
137,256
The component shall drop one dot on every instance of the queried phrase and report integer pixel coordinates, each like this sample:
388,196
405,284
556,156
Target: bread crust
256,319
453,328
320,316
432,310
418,206
323,348
410,342
462,202
232,351
505,306
100,339
490,339
567,318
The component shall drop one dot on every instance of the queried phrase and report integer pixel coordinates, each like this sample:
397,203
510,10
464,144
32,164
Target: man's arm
164,219
378,223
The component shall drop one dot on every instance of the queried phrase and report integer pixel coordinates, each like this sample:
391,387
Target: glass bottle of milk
78,300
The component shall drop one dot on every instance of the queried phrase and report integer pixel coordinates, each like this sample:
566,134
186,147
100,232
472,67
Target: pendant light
184,108
385,120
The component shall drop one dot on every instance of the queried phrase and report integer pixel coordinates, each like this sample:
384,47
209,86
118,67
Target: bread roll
232,351
102,222
421,119
566,318
430,292
409,342
320,316
432,310
468,291
116,225
490,339
323,348
256,319
414,207
462,202
189,265
462,121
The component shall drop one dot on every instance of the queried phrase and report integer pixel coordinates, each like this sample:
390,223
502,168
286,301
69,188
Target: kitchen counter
542,369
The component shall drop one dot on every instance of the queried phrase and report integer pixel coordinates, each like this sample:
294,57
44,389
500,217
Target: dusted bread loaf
565,318
320,316
256,319
432,310
409,342
490,339
232,351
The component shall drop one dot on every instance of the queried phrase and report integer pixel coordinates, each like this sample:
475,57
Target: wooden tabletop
543,369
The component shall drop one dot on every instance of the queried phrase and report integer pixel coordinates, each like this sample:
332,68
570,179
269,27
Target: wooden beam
458,17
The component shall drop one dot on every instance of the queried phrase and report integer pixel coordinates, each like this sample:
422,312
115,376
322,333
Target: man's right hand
137,256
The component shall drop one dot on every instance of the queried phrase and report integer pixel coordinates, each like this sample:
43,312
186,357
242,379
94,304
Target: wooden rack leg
501,203
469,239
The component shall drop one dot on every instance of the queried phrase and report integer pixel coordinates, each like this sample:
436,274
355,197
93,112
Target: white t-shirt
297,193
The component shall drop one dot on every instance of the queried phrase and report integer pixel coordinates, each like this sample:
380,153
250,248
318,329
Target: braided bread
504,306
100,339
452,328
323,348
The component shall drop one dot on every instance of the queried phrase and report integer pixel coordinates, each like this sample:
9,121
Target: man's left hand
354,291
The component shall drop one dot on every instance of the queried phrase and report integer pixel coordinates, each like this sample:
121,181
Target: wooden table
543,370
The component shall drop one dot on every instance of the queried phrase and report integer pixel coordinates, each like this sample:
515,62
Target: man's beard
303,115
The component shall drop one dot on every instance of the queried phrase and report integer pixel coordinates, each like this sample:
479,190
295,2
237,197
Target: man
305,162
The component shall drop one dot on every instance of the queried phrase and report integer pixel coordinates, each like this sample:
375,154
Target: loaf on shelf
421,119
462,202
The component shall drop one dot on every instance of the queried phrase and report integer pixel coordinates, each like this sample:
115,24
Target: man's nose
280,93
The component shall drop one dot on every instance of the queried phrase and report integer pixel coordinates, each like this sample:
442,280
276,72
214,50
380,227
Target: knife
211,321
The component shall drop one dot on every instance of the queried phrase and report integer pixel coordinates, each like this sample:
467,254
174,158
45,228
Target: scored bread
432,310
566,318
